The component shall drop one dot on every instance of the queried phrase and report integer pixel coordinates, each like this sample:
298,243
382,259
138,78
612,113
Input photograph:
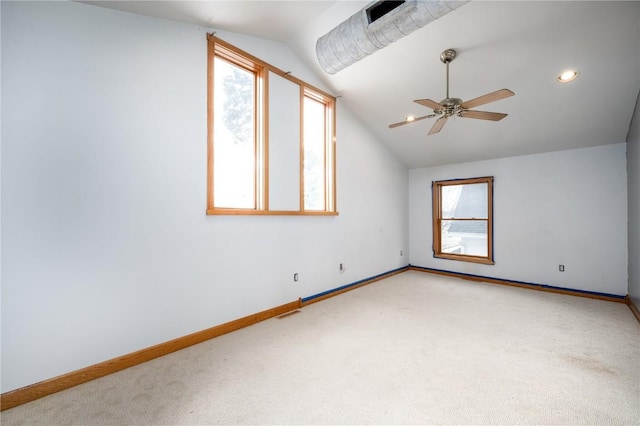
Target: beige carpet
411,349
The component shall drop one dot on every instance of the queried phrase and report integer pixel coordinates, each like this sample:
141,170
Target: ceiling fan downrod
447,79
452,106
446,57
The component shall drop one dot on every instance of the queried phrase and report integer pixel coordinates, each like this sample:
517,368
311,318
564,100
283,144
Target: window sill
465,258
241,212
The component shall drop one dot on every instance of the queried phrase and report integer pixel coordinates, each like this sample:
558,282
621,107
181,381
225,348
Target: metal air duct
376,26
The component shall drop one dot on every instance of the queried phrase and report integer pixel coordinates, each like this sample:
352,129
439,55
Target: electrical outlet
561,268
295,276
341,267
400,252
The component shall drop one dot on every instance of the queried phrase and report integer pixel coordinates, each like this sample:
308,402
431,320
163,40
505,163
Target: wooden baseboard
633,307
538,287
47,387
349,287
38,390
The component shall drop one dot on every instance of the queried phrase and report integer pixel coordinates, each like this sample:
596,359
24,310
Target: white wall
633,176
567,207
106,246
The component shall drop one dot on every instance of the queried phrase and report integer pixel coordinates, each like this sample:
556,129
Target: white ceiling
519,45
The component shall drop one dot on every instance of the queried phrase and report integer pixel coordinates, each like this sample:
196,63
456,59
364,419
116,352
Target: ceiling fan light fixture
567,76
410,118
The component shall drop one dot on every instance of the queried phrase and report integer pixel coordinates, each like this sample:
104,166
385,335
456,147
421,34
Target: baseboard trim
521,284
47,387
352,286
633,307
30,393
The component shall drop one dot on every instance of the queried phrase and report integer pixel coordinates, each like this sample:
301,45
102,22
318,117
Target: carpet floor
414,348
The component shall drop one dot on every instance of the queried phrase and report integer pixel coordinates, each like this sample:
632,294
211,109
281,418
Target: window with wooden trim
271,138
463,219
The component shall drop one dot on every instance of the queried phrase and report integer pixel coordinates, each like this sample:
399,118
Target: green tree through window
238,105
234,172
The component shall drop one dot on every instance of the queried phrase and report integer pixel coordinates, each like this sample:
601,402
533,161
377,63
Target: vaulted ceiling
519,45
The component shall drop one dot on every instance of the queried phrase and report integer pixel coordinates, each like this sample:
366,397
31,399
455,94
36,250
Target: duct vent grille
381,8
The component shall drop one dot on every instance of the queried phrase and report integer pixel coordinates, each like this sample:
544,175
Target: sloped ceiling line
356,37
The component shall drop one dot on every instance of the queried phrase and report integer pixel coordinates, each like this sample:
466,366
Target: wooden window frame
261,69
258,72
436,190
329,151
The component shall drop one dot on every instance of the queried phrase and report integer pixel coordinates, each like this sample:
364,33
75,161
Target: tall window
316,138
271,138
463,219
234,124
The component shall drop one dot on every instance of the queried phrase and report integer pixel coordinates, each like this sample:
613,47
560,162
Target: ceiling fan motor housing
452,106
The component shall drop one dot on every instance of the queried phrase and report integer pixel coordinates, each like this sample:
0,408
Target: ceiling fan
449,107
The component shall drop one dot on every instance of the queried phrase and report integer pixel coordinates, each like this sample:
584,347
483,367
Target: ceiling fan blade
437,126
483,115
489,97
402,123
429,103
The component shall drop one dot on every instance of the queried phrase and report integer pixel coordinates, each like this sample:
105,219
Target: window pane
234,155
465,201
465,237
314,154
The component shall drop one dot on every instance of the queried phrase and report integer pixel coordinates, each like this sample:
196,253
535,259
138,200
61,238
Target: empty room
320,212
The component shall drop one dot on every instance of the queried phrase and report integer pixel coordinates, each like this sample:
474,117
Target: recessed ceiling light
567,76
